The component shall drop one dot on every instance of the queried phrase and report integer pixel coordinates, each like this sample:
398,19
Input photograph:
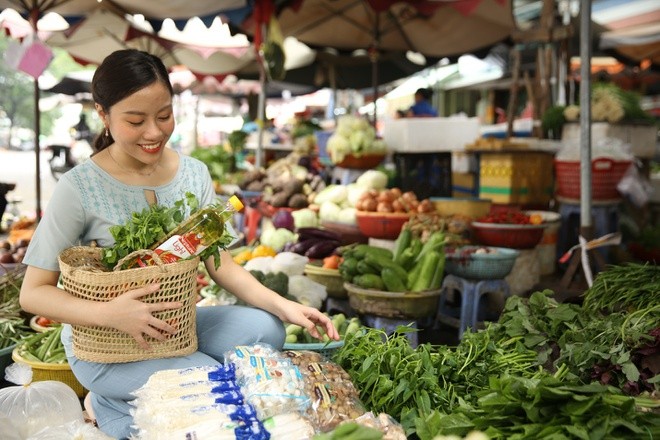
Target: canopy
154,11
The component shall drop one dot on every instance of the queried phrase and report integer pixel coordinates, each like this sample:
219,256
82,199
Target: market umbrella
637,43
336,70
155,12
430,28
104,31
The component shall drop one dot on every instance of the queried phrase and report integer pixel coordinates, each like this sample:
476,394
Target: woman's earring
107,133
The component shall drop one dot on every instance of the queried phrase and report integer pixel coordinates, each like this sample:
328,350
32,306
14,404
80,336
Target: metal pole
34,17
585,116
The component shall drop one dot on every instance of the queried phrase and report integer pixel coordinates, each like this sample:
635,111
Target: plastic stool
388,325
471,292
605,220
344,176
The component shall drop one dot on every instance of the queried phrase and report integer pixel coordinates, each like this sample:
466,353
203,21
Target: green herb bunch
151,226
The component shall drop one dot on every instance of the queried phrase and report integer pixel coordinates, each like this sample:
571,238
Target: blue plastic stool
471,292
605,217
345,176
388,325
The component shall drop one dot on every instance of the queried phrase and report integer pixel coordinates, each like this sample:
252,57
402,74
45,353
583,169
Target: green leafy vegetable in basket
151,226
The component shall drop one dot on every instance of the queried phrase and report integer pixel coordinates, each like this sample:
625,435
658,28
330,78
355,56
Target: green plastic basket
325,349
494,265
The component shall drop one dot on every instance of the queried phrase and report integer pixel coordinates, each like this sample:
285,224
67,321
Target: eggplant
322,249
303,245
319,234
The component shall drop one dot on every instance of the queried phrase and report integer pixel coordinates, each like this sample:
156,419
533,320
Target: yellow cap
236,203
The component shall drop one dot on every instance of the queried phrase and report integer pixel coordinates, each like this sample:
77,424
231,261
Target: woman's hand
127,313
309,318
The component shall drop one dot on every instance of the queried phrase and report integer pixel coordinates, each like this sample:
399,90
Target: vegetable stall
377,258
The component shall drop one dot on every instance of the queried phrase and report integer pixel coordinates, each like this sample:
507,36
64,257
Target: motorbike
65,157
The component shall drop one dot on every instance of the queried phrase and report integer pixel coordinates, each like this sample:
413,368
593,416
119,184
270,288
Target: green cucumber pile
412,266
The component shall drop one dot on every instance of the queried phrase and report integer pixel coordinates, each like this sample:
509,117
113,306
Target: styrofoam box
641,138
410,135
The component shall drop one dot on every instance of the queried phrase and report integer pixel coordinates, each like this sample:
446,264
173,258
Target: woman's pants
219,330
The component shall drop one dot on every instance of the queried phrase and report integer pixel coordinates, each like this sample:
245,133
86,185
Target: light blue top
87,201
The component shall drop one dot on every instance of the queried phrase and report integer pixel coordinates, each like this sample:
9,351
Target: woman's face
142,123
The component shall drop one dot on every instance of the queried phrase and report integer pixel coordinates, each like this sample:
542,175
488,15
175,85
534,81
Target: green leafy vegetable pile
544,371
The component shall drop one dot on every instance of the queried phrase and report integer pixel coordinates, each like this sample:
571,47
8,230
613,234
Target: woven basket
85,276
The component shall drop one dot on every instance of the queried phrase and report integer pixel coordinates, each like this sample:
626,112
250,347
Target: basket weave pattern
84,276
605,176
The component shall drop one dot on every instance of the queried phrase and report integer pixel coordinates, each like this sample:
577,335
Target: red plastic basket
605,176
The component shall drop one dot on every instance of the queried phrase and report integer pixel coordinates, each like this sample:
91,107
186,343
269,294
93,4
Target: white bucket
547,248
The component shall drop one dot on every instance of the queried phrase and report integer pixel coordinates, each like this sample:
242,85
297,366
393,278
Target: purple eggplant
322,249
317,233
303,246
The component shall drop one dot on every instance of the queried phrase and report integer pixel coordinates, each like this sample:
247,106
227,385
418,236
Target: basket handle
141,253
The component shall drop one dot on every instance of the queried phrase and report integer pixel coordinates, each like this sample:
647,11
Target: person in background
422,106
131,170
4,189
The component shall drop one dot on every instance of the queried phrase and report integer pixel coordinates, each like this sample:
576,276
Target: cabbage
329,212
277,238
347,215
305,218
372,179
331,193
338,147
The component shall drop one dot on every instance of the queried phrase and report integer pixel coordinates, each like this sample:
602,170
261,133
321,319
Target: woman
130,170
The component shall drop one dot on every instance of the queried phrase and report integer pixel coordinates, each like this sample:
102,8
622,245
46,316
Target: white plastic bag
635,187
290,263
8,429
306,291
77,429
33,406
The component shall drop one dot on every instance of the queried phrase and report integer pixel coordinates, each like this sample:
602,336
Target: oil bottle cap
236,203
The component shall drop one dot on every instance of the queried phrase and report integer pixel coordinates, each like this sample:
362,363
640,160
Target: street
19,167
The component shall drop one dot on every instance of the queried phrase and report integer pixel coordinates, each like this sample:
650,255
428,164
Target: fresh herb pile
151,225
545,370
12,324
632,286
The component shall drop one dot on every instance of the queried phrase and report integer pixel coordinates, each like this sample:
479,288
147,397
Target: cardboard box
413,135
641,138
516,178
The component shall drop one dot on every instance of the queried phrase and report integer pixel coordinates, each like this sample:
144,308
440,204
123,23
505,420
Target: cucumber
369,281
429,264
393,283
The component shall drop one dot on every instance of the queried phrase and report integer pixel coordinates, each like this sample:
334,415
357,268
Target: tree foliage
17,93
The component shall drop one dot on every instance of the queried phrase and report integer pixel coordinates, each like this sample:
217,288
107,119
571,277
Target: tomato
43,321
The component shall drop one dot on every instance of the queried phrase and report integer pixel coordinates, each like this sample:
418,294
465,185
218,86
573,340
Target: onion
283,219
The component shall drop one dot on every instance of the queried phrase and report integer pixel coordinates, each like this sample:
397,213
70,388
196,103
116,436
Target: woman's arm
234,278
40,296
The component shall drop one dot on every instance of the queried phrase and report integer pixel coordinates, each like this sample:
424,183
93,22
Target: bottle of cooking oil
197,233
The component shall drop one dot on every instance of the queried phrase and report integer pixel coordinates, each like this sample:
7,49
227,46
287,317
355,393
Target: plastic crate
516,178
425,174
605,176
